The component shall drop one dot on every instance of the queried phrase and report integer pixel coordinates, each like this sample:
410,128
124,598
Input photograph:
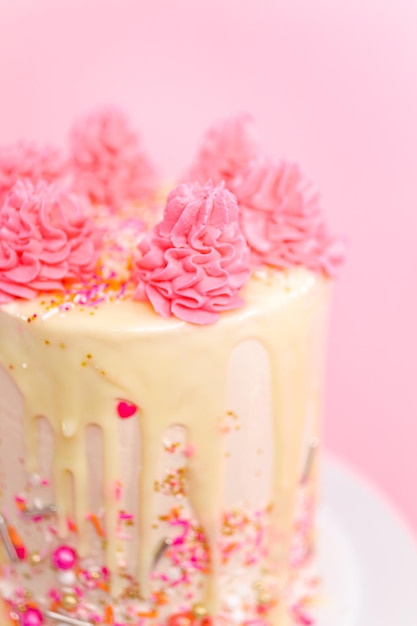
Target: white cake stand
367,555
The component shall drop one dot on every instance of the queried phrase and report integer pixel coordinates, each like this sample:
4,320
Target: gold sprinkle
69,601
83,364
47,342
95,575
89,356
199,611
264,598
35,558
62,346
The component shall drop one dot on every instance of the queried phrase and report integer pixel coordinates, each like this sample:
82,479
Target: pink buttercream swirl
227,148
107,159
281,218
27,160
45,239
196,260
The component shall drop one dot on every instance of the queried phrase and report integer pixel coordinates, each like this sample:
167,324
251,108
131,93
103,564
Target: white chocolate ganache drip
73,367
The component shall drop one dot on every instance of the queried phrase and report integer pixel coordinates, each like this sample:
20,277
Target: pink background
333,84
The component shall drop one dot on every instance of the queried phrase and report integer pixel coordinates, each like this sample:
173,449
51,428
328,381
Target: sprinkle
17,543
308,466
126,409
108,615
65,619
125,516
20,503
32,617
8,544
189,451
170,446
64,558
72,526
162,548
97,525
118,490
36,513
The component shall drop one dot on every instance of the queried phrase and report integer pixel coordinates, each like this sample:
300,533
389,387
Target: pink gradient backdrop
333,84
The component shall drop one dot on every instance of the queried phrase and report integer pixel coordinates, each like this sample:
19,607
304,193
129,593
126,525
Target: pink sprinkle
32,617
301,617
189,450
126,409
64,558
118,490
54,594
123,515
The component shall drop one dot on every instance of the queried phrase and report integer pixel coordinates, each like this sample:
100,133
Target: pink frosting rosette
25,159
196,260
281,218
108,162
45,239
227,148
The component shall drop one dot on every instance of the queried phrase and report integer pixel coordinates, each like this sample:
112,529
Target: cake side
71,369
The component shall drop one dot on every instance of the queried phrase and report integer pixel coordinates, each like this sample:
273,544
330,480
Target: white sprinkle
8,544
233,601
308,465
238,616
64,619
67,578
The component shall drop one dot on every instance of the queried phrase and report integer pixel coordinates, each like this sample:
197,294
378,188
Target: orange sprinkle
152,613
108,615
96,523
160,598
17,542
20,505
72,526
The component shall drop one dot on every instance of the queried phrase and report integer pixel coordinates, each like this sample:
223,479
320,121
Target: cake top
90,226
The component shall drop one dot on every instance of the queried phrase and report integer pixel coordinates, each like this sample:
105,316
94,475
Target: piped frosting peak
45,239
28,160
195,261
239,207
227,148
108,161
282,220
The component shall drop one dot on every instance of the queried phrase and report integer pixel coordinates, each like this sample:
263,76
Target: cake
160,383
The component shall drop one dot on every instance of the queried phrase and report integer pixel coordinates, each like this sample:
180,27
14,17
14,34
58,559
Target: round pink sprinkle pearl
64,557
32,617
